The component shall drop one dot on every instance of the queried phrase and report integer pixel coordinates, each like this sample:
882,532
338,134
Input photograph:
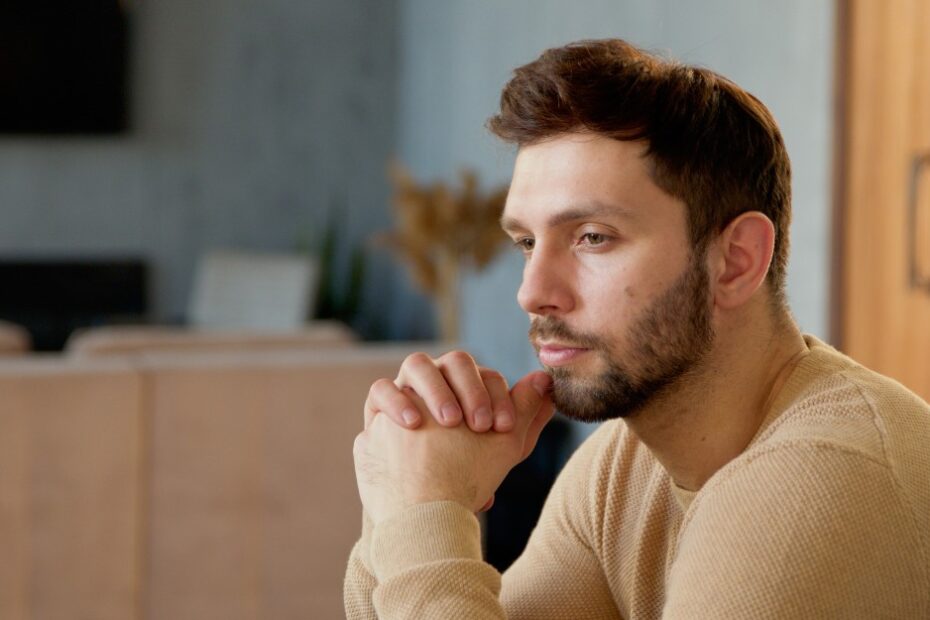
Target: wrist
392,509
424,533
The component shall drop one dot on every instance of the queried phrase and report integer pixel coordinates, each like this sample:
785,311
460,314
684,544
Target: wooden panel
886,324
254,503
69,492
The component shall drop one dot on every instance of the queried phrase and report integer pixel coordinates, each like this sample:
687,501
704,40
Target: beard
666,343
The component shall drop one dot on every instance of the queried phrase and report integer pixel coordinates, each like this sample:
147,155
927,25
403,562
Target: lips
559,354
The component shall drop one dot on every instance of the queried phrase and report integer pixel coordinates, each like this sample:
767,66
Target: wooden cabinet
182,486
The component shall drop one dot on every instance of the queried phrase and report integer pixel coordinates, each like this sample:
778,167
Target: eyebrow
572,214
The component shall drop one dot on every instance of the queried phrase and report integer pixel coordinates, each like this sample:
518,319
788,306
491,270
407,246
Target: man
745,470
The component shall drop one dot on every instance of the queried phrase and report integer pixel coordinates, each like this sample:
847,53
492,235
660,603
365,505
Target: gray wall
456,55
252,120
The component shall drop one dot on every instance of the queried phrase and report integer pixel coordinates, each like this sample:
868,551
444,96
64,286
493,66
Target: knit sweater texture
826,514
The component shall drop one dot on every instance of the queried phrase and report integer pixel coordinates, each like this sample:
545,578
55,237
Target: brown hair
712,144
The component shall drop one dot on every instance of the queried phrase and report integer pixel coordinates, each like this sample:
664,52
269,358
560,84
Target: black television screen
51,297
63,66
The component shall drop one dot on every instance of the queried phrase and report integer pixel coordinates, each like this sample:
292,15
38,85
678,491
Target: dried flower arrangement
440,230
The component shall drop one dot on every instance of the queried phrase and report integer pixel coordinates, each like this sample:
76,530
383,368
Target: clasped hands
415,449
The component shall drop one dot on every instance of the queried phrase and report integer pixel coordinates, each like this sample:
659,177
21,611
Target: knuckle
382,386
378,386
417,360
383,383
458,358
490,375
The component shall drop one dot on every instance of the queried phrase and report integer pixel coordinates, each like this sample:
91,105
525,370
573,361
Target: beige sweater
825,515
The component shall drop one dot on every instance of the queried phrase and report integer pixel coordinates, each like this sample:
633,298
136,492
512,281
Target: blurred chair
14,340
256,291
126,340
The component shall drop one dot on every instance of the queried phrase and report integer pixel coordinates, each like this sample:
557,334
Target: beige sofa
181,485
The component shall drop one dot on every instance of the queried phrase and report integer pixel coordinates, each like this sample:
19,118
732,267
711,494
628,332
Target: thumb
532,398
529,394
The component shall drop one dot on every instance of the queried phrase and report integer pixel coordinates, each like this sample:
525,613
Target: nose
546,288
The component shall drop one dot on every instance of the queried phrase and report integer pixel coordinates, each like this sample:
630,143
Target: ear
743,253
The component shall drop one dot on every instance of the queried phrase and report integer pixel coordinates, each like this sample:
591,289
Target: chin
597,397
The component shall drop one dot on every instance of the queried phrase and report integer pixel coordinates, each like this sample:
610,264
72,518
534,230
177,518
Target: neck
705,423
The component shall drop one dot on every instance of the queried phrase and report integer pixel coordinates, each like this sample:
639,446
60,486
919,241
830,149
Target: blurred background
197,209
258,127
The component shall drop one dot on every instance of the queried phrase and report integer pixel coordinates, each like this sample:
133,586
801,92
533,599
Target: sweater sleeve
560,573
359,581
818,531
427,562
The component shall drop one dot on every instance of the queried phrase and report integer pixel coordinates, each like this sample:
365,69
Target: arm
425,548
360,583
814,531
422,488
451,387
560,573
429,563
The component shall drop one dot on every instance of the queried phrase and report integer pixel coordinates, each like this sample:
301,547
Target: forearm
427,564
423,563
358,588
360,582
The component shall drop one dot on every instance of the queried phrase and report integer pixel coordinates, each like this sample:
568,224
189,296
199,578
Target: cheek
615,300
612,302
616,289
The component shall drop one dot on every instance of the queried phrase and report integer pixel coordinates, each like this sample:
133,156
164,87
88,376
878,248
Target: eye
524,244
593,239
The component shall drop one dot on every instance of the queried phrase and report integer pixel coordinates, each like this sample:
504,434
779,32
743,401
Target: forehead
587,173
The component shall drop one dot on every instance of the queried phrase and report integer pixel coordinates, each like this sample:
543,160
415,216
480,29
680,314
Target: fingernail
541,383
483,419
450,412
410,417
504,420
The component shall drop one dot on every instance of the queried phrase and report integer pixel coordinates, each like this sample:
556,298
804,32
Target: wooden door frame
841,69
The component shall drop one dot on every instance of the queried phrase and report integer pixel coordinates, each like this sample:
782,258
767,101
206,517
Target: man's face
619,304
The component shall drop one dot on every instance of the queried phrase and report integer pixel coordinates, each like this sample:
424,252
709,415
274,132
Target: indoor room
242,242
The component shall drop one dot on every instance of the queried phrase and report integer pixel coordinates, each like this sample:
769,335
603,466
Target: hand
396,468
451,387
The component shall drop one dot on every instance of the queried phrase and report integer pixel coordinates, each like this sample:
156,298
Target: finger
385,397
528,395
543,416
462,375
501,406
532,397
420,372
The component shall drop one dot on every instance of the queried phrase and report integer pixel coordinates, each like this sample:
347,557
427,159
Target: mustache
551,328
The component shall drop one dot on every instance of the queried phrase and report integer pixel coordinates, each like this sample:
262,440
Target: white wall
456,55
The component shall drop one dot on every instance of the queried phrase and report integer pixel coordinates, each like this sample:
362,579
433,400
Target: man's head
630,170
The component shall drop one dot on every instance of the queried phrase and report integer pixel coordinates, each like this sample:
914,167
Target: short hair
711,144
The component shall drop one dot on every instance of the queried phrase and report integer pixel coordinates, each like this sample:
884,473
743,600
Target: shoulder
830,502
839,408
802,529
